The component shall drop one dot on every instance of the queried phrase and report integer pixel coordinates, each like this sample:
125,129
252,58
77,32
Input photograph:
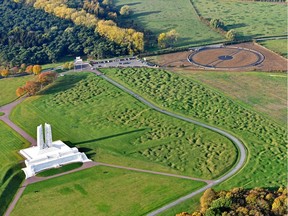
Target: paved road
236,141
156,173
7,110
242,153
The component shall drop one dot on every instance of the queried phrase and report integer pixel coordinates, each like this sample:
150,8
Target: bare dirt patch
242,59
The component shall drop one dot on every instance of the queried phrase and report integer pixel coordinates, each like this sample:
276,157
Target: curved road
237,142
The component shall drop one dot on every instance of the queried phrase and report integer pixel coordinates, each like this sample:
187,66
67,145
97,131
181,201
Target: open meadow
164,15
264,139
279,46
263,92
113,127
249,19
9,86
10,144
102,191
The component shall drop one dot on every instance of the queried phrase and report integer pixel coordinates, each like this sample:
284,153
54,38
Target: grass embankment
10,174
263,92
279,46
265,140
102,191
100,119
163,15
249,19
9,86
59,170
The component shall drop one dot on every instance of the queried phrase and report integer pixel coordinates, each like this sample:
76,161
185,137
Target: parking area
120,62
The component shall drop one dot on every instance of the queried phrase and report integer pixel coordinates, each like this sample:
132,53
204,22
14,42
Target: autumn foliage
242,202
32,87
130,38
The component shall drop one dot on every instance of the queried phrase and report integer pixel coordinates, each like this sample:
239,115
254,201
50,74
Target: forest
36,36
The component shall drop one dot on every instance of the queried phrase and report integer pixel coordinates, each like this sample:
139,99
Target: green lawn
102,191
163,15
113,127
10,143
263,92
250,19
9,86
265,140
279,46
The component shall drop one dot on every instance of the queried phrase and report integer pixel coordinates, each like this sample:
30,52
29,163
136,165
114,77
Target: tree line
33,86
242,202
32,36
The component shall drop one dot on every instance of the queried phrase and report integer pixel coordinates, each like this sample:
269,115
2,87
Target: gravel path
210,183
240,146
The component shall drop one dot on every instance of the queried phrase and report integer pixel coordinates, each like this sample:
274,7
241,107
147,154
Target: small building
48,154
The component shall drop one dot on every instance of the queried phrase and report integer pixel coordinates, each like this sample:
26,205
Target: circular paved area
225,57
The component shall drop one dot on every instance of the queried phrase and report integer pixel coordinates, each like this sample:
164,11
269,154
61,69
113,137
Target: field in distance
86,111
163,15
248,18
263,92
102,191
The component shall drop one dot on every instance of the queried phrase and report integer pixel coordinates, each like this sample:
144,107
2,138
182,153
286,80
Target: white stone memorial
48,154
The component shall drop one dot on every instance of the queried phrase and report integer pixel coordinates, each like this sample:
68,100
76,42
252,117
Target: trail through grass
113,127
102,191
265,140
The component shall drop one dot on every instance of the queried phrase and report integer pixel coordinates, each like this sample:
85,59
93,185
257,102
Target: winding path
210,183
236,141
6,109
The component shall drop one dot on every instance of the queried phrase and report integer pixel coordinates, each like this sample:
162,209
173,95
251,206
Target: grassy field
88,112
263,92
265,140
278,46
9,86
163,15
102,191
10,143
249,19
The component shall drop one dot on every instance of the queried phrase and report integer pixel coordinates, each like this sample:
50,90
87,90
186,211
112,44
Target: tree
5,72
167,39
32,87
22,68
125,10
216,23
162,40
20,91
231,35
206,199
29,69
47,77
37,69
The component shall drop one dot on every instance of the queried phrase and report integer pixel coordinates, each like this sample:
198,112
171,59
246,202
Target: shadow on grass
107,137
136,15
129,4
64,83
